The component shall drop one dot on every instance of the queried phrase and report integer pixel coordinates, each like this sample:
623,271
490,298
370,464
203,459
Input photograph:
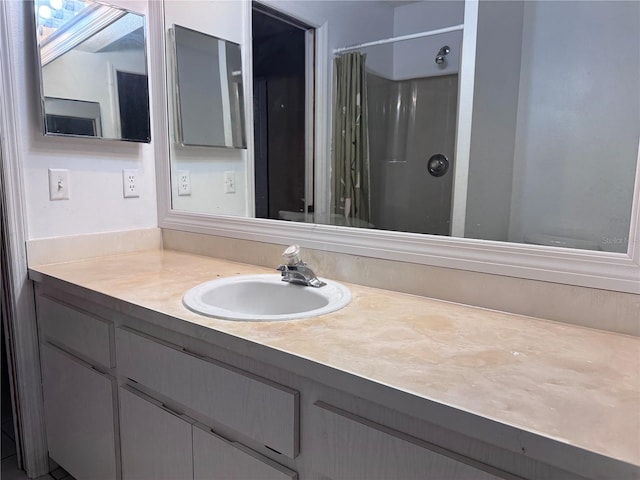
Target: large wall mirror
93,70
490,120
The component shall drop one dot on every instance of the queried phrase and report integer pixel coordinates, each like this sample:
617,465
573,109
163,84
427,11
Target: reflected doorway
283,61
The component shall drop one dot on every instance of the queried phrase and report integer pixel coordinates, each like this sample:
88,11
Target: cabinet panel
253,406
79,415
156,444
356,448
82,333
216,457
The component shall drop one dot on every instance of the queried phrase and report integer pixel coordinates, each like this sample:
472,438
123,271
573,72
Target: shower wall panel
409,121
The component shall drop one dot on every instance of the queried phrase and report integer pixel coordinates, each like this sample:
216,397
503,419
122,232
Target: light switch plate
230,182
58,184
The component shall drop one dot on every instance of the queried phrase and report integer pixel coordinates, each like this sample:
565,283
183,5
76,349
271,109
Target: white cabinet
79,394
355,448
156,444
256,407
160,444
76,331
215,457
79,415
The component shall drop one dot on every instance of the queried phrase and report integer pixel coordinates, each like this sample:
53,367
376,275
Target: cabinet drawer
216,457
79,415
156,444
356,448
82,333
254,406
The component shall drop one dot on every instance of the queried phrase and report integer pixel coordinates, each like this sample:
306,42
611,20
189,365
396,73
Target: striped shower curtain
350,191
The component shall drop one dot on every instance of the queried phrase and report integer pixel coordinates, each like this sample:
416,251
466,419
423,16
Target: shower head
444,51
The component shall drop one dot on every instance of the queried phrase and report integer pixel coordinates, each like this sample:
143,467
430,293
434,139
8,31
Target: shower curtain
350,162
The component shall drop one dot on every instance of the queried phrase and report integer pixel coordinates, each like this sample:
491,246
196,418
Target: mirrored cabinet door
209,93
93,70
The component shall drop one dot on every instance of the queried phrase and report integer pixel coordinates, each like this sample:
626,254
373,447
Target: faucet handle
292,254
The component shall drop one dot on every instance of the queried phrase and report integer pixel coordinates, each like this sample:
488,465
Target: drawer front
260,409
216,457
79,415
82,333
156,444
356,448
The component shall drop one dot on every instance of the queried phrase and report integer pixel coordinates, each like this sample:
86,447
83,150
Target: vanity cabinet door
79,415
217,458
256,407
156,443
77,331
355,448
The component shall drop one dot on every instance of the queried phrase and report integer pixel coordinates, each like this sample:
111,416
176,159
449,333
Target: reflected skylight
52,14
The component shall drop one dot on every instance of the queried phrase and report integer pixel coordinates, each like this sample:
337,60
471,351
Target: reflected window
53,14
72,117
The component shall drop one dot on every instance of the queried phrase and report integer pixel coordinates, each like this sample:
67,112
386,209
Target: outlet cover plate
184,182
130,180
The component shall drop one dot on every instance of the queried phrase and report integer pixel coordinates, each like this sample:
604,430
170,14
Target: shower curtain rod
400,39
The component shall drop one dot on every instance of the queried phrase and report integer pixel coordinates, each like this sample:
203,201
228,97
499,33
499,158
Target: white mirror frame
595,269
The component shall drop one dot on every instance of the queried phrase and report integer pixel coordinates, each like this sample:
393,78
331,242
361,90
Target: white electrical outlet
58,184
130,183
230,182
184,182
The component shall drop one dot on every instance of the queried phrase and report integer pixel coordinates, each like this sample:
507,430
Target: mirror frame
594,269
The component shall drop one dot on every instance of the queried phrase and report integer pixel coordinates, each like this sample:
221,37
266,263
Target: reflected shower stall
410,121
410,87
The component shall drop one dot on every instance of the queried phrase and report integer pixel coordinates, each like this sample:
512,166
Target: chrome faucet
296,271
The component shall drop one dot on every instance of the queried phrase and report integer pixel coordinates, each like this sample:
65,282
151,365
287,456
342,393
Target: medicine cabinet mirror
481,128
93,70
209,98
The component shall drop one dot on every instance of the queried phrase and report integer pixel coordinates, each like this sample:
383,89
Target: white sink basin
264,298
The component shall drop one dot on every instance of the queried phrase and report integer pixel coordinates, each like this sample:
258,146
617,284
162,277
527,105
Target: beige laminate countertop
576,385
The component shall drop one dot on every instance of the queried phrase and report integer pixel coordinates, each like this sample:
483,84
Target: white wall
416,58
96,203
578,121
207,165
495,109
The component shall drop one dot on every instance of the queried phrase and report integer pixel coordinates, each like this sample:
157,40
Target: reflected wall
205,166
556,123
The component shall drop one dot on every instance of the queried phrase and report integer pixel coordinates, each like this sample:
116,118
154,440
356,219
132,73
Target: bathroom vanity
392,386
